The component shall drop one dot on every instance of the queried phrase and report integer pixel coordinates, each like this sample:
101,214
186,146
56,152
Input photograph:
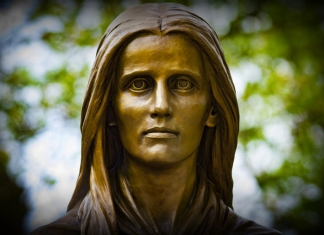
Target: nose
160,102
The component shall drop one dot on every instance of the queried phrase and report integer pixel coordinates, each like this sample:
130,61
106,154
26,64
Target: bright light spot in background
277,131
52,161
254,24
40,26
39,59
30,95
13,15
262,158
36,57
244,73
89,15
283,68
247,194
219,18
53,92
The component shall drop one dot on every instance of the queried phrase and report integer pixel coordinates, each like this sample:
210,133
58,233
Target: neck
162,195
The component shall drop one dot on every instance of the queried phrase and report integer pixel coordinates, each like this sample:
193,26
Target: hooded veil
101,147
102,202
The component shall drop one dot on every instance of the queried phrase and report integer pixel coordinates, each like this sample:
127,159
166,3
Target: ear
212,117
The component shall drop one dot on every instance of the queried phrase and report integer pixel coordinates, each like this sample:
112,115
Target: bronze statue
159,126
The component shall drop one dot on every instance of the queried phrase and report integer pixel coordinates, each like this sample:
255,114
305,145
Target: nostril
155,115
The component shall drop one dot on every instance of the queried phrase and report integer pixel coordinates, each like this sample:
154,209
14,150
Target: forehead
175,50
168,43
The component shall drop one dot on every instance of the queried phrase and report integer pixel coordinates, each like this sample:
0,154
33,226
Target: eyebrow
135,73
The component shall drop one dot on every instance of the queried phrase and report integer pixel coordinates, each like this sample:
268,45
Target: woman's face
162,101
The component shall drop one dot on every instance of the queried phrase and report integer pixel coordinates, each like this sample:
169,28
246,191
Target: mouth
160,133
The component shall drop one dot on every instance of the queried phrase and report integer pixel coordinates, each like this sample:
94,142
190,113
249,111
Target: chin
158,161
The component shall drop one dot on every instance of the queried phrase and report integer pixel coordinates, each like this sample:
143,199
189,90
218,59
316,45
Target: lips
160,133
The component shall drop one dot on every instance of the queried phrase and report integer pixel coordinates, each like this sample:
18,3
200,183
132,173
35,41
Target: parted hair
102,150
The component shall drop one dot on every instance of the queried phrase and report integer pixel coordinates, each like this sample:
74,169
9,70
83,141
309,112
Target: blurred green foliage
281,39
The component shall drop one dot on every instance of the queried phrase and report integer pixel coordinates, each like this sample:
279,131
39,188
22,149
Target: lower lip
160,135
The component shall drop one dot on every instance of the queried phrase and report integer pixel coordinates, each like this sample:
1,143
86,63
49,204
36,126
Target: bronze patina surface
159,126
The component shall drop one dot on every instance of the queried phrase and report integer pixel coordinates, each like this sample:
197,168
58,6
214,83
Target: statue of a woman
159,126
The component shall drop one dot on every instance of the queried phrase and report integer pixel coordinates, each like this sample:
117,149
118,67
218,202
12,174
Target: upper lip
161,129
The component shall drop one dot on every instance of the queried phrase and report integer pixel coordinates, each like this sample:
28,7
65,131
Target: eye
182,84
139,85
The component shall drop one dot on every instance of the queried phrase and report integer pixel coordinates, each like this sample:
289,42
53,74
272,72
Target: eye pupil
182,83
138,84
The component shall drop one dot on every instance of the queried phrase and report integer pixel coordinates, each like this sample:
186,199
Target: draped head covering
101,147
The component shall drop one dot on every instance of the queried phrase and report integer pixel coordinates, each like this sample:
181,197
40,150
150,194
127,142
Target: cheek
125,109
127,127
130,115
195,112
130,120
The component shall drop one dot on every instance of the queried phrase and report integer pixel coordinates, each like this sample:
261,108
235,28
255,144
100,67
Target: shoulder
235,224
67,225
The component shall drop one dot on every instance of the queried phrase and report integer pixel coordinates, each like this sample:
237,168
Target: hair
102,150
